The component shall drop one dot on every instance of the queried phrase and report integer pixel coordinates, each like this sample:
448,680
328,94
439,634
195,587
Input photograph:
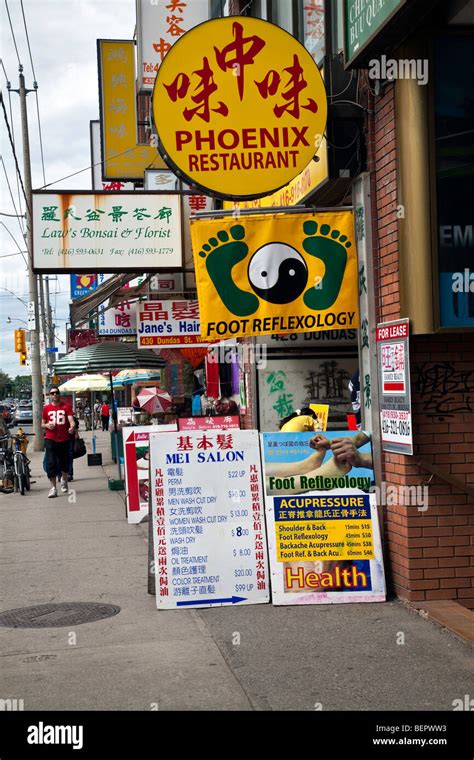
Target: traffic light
20,341
22,358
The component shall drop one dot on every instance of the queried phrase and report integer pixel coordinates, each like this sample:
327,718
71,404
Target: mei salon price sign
393,357
208,519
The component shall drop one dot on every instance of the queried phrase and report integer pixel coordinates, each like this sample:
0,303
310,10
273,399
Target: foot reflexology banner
321,514
276,273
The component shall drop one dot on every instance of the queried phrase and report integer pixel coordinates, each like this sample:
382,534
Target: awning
107,357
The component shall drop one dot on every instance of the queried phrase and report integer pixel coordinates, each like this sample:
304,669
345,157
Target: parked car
6,414
23,413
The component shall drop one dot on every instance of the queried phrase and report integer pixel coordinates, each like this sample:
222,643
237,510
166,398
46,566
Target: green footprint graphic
329,246
221,257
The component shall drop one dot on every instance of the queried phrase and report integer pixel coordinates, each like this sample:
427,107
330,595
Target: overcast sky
63,36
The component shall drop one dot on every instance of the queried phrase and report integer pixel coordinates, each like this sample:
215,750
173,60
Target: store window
282,13
311,26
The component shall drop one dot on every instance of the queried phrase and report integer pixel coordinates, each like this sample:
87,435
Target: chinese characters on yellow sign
122,157
239,107
279,273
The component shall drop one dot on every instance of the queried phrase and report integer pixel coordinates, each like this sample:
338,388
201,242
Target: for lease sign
393,358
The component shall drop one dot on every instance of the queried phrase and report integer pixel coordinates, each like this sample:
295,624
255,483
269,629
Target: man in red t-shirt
105,414
58,422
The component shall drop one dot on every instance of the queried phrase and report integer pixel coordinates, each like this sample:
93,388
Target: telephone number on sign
396,427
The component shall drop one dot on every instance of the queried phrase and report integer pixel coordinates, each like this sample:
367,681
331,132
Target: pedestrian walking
58,422
97,407
104,415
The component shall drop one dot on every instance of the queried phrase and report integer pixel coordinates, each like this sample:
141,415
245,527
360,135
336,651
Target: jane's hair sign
239,106
106,232
268,274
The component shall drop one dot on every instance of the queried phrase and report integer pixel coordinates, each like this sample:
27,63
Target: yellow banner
123,158
305,183
278,273
324,540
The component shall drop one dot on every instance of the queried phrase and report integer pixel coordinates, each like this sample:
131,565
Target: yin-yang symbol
277,273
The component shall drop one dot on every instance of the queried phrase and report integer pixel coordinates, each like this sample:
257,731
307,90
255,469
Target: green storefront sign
363,19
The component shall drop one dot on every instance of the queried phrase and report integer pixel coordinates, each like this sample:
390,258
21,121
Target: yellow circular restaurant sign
239,106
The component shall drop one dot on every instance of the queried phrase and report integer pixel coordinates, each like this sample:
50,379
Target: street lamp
16,319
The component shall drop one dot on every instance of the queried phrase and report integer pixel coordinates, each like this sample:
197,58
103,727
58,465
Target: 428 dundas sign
233,98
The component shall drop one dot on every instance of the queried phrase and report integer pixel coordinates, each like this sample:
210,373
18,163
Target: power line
13,135
11,196
13,149
87,168
4,225
13,33
35,85
27,39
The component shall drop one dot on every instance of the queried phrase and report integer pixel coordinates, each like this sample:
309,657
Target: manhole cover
56,615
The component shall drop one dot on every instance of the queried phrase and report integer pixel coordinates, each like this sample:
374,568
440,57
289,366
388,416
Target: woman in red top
105,414
58,422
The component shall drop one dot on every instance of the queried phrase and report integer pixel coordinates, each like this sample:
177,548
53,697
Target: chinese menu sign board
276,273
323,532
173,324
136,457
208,522
209,423
160,24
393,356
102,232
238,106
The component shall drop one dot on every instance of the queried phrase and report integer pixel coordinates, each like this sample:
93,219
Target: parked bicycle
14,465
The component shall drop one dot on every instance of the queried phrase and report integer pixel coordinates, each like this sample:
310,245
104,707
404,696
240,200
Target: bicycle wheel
27,479
22,480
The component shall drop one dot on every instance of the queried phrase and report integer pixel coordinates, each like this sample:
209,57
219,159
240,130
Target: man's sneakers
64,486
52,493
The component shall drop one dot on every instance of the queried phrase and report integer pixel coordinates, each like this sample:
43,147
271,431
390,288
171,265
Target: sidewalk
257,657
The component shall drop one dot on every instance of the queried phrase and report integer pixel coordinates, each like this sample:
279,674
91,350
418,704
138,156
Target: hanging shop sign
100,232
171,324
166,283
81,338
159,25
231,422
97,163
323,532
314,175
266,274
123,158
136,456
363,20
208,523
323,339
239,106
393,352
82,284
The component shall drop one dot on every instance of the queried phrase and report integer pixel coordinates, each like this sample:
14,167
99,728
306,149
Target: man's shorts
57,457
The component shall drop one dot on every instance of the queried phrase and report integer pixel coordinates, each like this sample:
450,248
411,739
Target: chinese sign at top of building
363,20
160,24
100,232
239,107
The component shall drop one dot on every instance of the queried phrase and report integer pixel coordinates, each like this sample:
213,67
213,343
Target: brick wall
429,553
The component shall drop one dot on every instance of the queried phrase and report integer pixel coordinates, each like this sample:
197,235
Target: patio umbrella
154,400
107,357
85,383
130,376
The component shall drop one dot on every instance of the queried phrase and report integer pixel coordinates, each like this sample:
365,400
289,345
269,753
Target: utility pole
36,379
51,338
44,327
